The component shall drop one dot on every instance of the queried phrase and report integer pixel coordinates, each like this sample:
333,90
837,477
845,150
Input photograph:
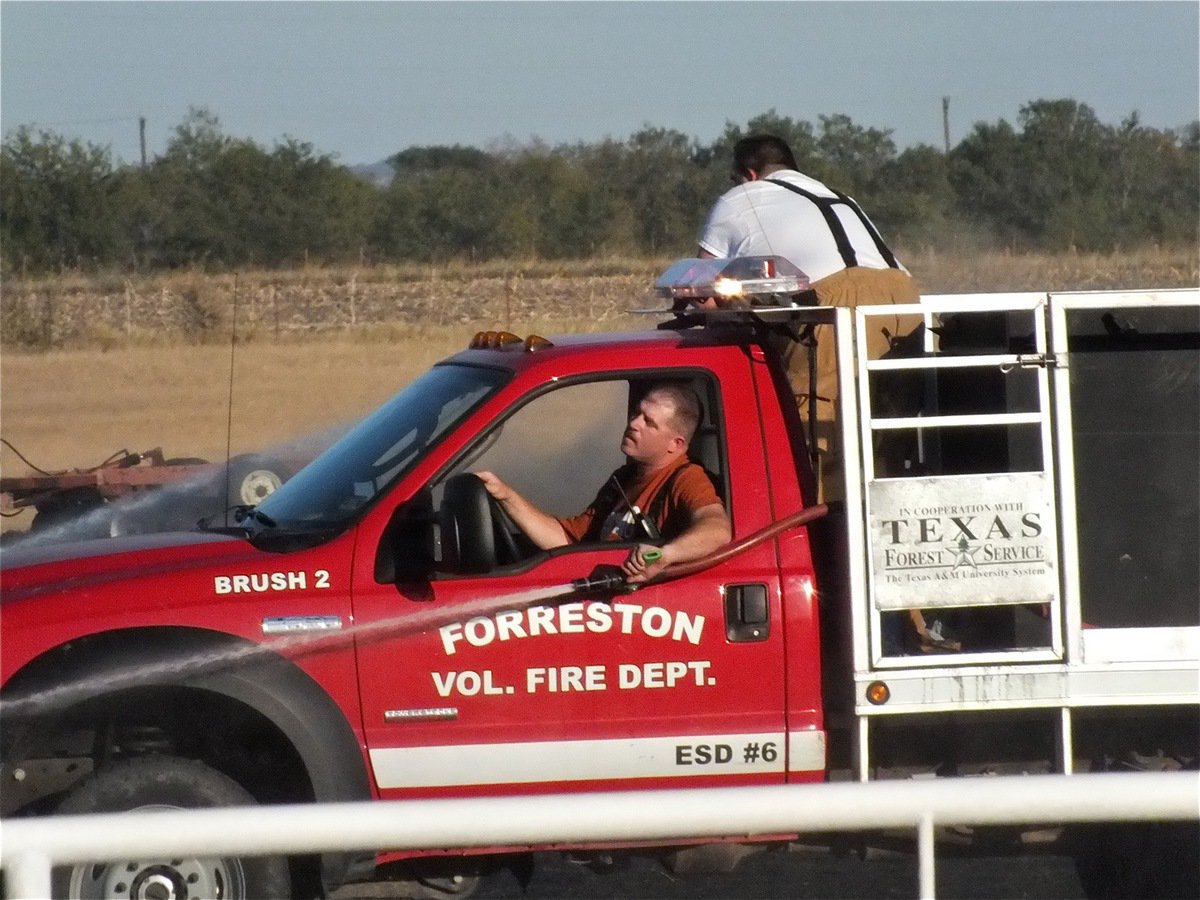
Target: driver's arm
540,527
709,530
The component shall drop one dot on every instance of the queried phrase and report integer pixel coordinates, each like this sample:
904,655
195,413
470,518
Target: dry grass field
92,366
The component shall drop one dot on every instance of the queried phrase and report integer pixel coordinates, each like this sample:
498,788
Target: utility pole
946,123
142,137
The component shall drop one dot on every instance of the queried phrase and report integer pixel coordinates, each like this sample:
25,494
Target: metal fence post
926,874
27,876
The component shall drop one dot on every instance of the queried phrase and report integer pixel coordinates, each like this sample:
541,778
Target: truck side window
560,447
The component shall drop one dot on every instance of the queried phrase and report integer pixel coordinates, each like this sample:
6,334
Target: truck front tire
158,783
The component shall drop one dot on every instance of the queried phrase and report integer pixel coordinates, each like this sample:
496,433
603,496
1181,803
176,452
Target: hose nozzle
607,582
609,579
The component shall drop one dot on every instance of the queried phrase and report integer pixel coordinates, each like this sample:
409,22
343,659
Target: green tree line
1059,178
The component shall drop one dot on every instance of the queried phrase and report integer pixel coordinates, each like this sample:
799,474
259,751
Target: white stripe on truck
613,759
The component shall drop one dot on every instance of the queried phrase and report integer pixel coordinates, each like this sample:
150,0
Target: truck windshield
364,463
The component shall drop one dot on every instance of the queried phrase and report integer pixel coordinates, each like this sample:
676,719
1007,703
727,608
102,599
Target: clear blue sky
363,80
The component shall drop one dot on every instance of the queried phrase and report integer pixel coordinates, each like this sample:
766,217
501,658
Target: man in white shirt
773,209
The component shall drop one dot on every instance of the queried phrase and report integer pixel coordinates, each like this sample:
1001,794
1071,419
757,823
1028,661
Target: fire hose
615,581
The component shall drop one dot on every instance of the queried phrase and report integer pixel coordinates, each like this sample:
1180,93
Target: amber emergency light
506,340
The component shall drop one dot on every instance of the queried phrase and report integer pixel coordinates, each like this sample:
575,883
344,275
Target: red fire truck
375,628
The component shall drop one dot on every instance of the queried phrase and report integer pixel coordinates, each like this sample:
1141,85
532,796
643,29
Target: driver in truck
659,498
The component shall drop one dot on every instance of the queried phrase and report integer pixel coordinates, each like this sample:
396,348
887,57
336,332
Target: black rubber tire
172,783
1138,860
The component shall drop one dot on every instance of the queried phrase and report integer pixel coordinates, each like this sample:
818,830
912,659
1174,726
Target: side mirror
406,548
468,541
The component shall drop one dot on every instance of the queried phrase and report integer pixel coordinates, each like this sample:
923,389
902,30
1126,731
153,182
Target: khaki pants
848,288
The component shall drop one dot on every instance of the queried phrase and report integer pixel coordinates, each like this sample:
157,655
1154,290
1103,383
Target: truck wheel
160,783
252,479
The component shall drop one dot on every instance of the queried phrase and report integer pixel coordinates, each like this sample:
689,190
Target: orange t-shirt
608,518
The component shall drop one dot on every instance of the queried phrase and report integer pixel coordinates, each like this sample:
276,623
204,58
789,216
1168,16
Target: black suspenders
658,503
826,205
613,492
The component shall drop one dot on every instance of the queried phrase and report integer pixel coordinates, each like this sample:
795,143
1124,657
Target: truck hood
26,571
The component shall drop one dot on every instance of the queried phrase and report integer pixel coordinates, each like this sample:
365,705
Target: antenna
229,405
758,221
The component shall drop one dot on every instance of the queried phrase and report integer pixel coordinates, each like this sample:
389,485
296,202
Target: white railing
29,847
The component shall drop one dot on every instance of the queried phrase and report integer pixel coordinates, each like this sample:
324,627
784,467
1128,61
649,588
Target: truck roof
512,351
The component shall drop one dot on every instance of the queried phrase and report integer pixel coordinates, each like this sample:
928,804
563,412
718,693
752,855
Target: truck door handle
746,613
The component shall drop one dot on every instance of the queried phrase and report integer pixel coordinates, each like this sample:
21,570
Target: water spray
200,665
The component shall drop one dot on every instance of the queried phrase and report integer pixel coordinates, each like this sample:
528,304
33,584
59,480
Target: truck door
530,687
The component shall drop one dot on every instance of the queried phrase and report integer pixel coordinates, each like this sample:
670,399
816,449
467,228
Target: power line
84,122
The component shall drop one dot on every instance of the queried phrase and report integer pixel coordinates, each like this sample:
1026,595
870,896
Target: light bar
506,340
493,340
761,278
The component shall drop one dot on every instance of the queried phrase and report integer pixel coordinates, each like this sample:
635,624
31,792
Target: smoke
176,506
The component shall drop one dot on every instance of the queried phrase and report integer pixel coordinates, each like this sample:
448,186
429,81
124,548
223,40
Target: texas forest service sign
968,540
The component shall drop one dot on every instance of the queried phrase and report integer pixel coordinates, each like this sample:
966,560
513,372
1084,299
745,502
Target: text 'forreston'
573,618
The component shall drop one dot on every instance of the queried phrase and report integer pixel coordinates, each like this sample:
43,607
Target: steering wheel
474,527
501,525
